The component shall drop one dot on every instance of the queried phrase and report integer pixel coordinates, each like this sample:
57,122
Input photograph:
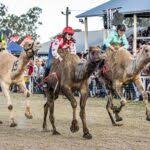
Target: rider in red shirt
64,41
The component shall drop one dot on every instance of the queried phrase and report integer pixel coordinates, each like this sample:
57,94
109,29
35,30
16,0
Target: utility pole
67,13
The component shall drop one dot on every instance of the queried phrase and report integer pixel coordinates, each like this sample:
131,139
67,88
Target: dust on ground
28,135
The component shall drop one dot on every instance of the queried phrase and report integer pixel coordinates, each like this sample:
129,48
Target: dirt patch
133,135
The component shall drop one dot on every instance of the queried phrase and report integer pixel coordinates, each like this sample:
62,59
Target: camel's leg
26,92
83,99
46,106
51,117
5,89
67,92
119,91
109,108
140,87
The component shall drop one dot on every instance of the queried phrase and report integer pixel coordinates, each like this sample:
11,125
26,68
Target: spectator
38,76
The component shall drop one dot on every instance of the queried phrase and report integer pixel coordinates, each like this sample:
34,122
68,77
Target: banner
15,38
26,39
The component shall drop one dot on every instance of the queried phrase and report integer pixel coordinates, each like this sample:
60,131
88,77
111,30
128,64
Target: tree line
23,25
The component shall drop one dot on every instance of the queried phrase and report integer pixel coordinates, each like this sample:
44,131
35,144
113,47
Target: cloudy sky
52,19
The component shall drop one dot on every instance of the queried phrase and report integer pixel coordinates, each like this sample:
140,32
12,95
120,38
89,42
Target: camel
69,76
12,72
124,68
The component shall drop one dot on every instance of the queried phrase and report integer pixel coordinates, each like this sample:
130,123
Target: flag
15,38
26,39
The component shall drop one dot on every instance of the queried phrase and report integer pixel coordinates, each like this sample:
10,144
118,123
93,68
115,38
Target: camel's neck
19,65
85,70
90,68
138,64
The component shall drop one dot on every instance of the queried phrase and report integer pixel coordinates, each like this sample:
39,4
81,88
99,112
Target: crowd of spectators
144,33
35,71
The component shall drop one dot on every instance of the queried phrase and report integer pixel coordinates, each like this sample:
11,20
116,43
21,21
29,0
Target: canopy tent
127,7
130,8
14,48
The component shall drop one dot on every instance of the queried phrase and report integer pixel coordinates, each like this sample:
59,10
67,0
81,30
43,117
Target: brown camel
12,72
124,68
69,76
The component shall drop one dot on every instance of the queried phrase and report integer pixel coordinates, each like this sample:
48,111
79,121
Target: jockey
116,39
63,41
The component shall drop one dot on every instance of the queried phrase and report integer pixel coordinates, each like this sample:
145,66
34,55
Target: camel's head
94,54
31,48
145,53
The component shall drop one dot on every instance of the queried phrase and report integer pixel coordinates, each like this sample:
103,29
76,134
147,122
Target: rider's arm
109,39
125,42
54,48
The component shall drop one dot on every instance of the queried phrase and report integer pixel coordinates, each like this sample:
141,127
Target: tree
23,25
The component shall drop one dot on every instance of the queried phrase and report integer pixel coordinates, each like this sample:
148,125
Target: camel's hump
7,59
7,56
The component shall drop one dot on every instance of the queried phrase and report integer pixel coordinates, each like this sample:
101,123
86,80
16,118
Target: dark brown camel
68,76
124,68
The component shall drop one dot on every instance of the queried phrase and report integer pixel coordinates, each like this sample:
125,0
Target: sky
52,18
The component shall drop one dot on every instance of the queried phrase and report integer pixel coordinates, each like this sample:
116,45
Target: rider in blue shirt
116,39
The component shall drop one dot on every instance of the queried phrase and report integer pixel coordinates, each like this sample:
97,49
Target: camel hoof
13,124
56,133
74,129
74,126
10,107
119,119
28,116
87,136
1,122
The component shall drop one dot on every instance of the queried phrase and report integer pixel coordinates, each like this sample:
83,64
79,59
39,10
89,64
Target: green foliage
25,24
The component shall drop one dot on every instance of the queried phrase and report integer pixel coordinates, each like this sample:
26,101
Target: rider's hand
60,59
112,48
